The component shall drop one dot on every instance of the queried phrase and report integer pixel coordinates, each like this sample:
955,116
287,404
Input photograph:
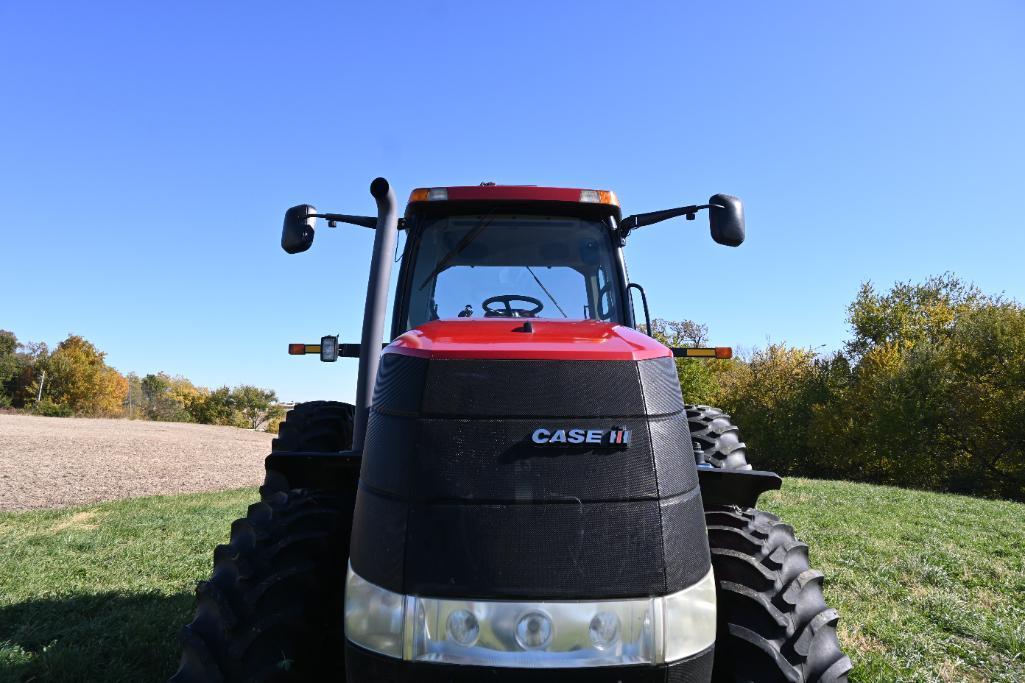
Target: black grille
456,499
565,551
496,460
674,455
685,540
661,386
389,457
511,388
400,383
377,550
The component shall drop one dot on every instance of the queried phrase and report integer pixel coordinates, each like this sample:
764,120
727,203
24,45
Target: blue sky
148,151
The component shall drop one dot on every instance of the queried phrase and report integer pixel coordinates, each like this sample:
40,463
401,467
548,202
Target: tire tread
774,624
271,610
719,439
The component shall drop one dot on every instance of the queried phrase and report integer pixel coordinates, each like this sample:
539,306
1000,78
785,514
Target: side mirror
297,231
726,219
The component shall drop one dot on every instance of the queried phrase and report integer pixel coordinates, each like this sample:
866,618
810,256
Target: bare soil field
55,461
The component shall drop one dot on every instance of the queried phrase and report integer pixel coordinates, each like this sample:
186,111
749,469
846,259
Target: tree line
74,379
927,392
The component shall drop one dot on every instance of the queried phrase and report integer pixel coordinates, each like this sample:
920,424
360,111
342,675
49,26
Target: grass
930,587
100,592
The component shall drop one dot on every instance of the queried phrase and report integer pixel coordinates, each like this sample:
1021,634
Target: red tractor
520,492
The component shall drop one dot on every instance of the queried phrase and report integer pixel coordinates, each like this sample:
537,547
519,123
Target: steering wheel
509,311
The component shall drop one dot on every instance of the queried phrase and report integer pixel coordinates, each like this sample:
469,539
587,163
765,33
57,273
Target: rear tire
773,622
272,609
719,438
316,426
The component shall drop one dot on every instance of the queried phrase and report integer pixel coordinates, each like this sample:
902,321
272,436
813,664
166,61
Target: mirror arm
363,221
334,218
631,223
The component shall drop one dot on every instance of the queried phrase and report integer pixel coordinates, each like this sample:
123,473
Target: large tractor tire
773,623
316,426
719,439
272,609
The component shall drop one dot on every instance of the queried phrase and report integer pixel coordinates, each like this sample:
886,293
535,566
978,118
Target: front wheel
272,609
773,622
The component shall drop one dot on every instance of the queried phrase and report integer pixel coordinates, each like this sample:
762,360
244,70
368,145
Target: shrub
48,408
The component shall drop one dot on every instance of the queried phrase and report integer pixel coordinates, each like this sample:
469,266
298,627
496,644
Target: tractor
520,492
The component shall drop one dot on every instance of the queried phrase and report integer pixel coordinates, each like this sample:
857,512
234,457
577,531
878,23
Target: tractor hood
523,459
527,339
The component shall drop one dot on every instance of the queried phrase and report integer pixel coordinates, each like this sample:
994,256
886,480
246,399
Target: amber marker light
599,197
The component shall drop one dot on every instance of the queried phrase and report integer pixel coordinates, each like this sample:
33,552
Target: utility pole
41,382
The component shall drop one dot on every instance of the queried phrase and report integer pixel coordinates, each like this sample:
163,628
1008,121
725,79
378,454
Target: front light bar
543,634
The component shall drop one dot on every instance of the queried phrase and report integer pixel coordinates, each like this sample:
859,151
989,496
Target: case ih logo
600,437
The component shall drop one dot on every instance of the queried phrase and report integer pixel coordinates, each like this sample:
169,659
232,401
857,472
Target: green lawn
929,587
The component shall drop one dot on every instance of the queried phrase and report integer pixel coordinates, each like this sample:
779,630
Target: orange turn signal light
599,197
428,194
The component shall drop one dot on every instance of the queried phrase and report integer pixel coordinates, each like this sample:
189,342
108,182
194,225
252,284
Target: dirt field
53,461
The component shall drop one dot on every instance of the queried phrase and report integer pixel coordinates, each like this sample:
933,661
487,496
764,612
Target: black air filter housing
456,498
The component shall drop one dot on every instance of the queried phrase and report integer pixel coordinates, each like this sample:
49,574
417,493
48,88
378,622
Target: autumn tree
78,377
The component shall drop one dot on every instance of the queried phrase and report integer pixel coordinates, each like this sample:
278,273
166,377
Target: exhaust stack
385,237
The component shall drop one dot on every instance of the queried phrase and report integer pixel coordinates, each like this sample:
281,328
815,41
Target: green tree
982,401
157,404
218,408
30,360
909,313
937,392
254,404
9,367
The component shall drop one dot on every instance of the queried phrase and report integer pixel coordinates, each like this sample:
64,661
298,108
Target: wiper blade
539,284
456,250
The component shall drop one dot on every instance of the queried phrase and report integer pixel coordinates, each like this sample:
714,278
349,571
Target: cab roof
489,192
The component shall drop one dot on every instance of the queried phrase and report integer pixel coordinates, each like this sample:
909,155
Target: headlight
374,616
531,634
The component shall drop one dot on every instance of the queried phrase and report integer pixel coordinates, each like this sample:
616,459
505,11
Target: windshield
488,265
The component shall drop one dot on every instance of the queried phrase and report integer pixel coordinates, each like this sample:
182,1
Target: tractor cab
510,252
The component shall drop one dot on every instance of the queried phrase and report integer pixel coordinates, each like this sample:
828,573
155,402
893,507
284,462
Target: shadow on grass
95,637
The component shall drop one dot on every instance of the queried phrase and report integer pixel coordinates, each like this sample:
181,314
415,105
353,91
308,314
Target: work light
329,349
